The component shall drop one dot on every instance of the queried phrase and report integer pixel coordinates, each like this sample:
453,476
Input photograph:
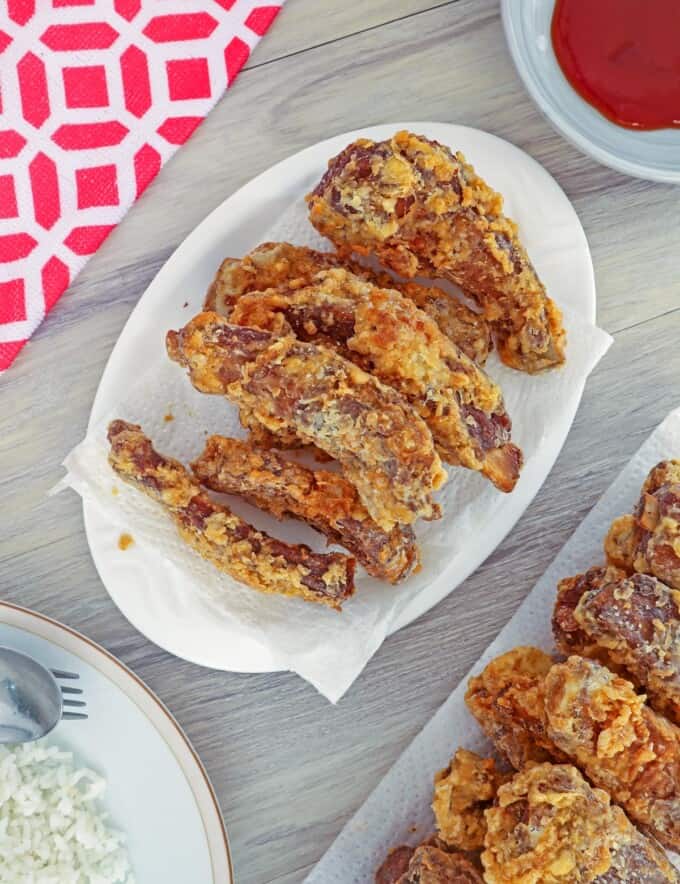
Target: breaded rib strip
549,825
222,538
282,265
423,210
581,711
384,447
387,335
629,623
325,500
649,540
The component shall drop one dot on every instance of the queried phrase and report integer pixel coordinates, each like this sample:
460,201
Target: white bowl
654,155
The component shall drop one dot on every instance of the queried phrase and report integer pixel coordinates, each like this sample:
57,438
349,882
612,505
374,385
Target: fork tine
67,692
60,673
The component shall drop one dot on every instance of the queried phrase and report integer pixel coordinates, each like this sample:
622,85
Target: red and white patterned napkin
95,95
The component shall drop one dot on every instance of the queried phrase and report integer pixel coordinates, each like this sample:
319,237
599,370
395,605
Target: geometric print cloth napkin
95,95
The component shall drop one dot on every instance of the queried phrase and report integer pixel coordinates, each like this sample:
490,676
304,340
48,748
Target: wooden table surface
289,768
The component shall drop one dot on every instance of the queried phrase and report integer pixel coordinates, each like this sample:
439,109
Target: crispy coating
423,210
387,335
597,719
581,712
326,501
222,538
649,540
631,623
468,330
431,865
619,544
462,792
507,701
569,635
395,865
550,826
260,437
285,266
384,447
427,864
270,265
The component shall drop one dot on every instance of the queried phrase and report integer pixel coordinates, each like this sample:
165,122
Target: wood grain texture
304,24
290,769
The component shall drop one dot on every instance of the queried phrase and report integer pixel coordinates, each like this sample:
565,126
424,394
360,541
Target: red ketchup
622,57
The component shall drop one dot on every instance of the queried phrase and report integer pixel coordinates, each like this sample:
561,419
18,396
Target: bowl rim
557,120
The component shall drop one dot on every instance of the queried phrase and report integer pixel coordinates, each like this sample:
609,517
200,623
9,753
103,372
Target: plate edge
79,636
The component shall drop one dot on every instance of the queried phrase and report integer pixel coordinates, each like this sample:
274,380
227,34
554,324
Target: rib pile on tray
593,739
382,376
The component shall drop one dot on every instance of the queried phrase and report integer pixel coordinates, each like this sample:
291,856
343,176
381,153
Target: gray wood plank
304,24
290,769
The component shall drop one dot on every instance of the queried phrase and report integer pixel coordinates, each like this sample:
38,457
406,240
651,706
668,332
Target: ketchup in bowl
622,57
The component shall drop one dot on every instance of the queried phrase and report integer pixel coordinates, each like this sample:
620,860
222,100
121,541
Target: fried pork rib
387,335
384,447
222,538
326,501
288,267
581,712
427,864
631,623
462,792
423,210
598,720
648,541
507,699
550,826
271,265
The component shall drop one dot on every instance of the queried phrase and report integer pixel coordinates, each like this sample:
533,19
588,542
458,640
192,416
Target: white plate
158,792
139,581
654,155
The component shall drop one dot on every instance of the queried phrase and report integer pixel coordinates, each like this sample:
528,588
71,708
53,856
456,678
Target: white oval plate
158,792
138,581
653,155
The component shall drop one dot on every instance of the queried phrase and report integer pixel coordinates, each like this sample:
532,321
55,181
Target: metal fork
32,700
